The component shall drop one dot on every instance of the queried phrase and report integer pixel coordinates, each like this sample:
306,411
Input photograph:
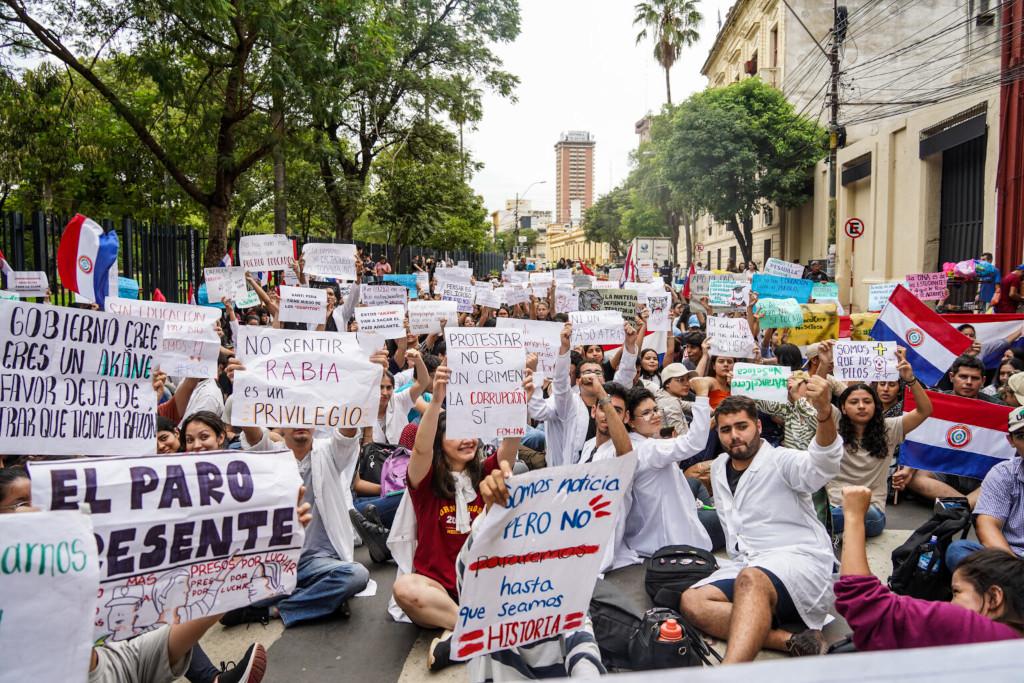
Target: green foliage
506,242
673,26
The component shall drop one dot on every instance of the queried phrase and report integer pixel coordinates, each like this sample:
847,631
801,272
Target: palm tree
674,26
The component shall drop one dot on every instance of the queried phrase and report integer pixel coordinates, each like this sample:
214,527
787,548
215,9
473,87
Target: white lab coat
770,522
664,511
565,415
617,553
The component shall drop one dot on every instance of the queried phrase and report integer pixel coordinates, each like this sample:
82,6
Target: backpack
647,652
392,472
952,516
673,569
371,459
614,619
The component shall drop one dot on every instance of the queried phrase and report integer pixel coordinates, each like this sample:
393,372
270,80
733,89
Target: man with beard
782,560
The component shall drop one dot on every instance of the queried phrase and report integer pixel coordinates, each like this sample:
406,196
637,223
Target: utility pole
839,27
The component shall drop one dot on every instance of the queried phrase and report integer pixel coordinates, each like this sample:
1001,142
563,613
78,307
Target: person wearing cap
999,514
1012,392
674,399
1009,291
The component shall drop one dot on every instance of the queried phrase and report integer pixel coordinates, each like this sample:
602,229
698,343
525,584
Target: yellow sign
860,326
821,322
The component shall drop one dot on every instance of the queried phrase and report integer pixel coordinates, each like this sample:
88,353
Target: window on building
719,266
732,255
773,47
767,251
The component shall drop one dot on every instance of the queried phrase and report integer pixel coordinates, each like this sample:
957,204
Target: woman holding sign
869,441
444,479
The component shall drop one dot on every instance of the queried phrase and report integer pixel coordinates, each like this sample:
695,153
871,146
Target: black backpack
673,569
647,652
952,516
615,618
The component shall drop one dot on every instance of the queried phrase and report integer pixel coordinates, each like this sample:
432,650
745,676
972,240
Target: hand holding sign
492,487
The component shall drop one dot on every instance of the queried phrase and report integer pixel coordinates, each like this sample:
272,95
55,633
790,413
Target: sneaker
439,656
371,513
806,643
374,536
343,610
249,670
246,615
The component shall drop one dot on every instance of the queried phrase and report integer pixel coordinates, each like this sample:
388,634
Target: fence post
128,229
39,245
18,240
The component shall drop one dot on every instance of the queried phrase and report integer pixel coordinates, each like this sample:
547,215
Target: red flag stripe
928,320
959,409
67,253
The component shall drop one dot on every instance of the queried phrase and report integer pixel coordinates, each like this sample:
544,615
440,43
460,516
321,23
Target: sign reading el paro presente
76,382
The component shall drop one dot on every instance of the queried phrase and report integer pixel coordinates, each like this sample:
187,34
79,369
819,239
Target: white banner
388,321
51,576
383,295
303,379
303,305
461,293
533,565
540,337
324,259
224,283
191,344
774,266
181,536
265,252
486,399
660,307
566,299
76,382
730,337
425,316
865,361
597,327
28,283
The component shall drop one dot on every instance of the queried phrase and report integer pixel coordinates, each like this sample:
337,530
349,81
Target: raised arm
422,384
616,429
423,450
923,404
562,390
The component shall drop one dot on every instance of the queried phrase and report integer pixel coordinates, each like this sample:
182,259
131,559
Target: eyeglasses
591,372
647,415
17,506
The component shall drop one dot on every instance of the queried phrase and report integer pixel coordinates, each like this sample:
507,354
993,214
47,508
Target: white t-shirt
206,396
389,429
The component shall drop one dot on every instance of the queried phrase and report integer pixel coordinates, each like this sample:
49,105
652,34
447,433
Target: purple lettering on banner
175,488
181,543
63,488
240,481
251,521
281,528
210,480
155,540
216,542
96,505
144,480
119,557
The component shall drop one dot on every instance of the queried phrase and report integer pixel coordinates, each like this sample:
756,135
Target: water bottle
925,558
670,631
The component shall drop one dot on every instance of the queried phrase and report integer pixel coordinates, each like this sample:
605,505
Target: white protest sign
540,337
517,293
460,292
51,575
303,305
730,337
463,264
425,316
660,318
11,296
928,286
423,281
606,284
383,295
518,277
225,283
531,570
28,283
303,379
583,281
486,295
644,271
615,275
181,536
768,382
566,299
191,344
865,361
486,399
781,268
878,294
265,252
727,292
324,259
459,274
76,382
597,327
543,278
563,275
388,321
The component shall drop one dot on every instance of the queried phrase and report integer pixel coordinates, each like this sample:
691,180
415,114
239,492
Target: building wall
574,173
573,244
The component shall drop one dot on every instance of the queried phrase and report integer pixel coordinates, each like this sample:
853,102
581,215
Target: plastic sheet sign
181,536
76,382
776,287
265,252
303,379
597,327
730,337
462,293
530,568
767,382
303,305
50,577
329,260
779,313
191,344
865,361
486,399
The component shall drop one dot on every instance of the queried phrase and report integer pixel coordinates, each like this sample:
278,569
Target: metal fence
170,257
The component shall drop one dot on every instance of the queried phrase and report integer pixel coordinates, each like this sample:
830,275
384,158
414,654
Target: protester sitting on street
719,369
988,596
674,398
444,477
694,348
999,514
781,556
395,406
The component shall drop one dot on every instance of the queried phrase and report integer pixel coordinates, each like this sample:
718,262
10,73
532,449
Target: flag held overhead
84,258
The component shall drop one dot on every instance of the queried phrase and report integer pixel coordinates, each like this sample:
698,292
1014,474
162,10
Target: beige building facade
574,175
570,242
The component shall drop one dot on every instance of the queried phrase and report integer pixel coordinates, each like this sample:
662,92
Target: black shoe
439,656
246,615
249,670
374,536
371,513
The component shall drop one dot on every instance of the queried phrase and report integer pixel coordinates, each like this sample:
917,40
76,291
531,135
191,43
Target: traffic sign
854,228
700,248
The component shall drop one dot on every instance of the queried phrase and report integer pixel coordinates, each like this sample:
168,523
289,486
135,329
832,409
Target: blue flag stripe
946,460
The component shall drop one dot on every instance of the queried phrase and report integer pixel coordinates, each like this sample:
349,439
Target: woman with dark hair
789,356
869,441
1008,366
15,490
648,367
987,605
443,478
719,369
203,432
167,439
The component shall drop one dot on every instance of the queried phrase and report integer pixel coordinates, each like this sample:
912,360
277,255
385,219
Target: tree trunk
280,196
689,238
673,226
744,238
217,237
668,87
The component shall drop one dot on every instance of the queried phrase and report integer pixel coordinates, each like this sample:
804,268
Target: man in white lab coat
782,560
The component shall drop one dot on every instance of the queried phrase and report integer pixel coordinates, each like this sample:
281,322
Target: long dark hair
640,368
208,418
991,567
873,439
9,475
442,483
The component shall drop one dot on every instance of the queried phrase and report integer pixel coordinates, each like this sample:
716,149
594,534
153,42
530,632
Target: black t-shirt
732,475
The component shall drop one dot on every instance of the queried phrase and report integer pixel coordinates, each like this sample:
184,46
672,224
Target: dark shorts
962,484
785,613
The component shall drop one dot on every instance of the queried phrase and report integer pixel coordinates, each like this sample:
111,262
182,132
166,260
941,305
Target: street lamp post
515,213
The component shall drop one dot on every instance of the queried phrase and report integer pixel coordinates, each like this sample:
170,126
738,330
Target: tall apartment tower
574,175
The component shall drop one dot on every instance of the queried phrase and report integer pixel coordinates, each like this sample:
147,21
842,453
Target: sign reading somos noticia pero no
303,379
485,398
79,381
768,382
181,536
530,568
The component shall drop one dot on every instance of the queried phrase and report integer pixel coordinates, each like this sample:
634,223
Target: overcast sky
579,69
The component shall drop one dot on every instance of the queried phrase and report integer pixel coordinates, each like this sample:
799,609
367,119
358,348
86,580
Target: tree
734,151
602,221
506,242
673,24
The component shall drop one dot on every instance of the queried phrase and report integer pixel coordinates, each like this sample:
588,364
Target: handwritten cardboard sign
660,307
383,295
878,294
597,327
774,266
388,321
928,286
303,305
461,293
540,337
566,299
821,322
728,293
767,382
77,382
191,345
865,361
181,536
485,399
425,316
303,379
825,290
225,283
532,566
730,337
779,313
324,259
265,252
776,287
